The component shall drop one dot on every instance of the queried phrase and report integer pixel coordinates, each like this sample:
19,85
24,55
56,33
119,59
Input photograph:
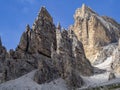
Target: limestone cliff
42,35
3,55
54,52
94,31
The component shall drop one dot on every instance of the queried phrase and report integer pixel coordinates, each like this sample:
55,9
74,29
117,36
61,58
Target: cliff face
54,52
115,65
94,31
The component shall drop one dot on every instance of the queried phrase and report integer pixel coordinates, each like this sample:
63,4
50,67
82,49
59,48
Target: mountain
54,52
94,31
84,57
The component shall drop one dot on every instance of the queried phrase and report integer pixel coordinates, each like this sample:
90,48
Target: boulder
111,76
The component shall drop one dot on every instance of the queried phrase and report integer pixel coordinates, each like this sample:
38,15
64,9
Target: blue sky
15,14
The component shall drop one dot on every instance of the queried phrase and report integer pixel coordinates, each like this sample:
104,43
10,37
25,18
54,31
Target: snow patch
101,79
106,65
107,24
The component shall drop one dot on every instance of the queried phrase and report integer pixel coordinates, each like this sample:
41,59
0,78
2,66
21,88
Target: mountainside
84,57
54,52
94,31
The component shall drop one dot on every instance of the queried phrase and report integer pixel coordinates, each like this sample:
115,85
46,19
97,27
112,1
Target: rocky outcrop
54,52
110,51
3,51
3,56
42,35
34,44
94,31
59,53
69,58
105,52
68,61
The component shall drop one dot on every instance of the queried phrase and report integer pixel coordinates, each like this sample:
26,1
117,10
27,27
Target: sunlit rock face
55,52
42,35
3,57
94,31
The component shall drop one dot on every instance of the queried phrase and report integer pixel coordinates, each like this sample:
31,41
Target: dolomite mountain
54,52
94,31
47,55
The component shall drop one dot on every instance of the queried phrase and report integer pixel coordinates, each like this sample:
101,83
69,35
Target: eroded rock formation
54,52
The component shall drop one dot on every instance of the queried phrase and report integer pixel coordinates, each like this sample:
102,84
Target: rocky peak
27,28
83,12
43,19
94,31
0,42
45,14
50,49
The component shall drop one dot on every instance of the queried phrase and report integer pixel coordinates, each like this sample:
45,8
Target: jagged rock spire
27,28
42,18
0,42
44,14
119,43
58,26
84,11
83,7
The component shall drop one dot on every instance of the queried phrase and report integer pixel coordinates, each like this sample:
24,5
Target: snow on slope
106,65
101,79
107,24
26,83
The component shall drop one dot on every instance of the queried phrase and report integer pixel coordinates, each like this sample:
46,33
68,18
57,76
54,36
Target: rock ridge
54,52
94,31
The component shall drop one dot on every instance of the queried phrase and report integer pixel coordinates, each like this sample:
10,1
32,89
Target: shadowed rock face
3,55
94,31
42,35
54,52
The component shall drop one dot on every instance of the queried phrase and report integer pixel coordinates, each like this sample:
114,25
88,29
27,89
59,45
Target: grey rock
111,76
46,73
94,31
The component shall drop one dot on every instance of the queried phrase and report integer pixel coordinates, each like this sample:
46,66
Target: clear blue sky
15,14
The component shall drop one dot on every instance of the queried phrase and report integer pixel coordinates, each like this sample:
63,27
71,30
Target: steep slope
94,31
3,56
54,52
